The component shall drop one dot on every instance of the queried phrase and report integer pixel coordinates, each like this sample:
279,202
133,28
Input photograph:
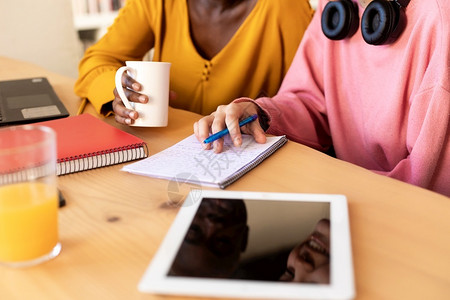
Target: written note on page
187,161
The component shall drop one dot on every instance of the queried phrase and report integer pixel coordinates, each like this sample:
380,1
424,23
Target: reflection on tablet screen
257,240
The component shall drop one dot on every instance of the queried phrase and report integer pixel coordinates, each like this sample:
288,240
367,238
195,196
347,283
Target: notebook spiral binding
78,163
17,176
100,159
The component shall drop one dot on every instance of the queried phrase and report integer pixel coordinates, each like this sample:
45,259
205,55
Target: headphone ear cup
379,21
340,19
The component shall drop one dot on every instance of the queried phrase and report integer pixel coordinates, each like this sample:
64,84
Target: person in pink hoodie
372,80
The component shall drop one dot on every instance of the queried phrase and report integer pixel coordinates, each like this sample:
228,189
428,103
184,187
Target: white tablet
255,245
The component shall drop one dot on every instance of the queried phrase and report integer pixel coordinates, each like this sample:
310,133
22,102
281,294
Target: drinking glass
28,196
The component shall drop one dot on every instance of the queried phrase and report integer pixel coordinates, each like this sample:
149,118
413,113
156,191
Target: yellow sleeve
129,38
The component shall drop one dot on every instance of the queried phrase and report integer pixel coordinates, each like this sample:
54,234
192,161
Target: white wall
40,32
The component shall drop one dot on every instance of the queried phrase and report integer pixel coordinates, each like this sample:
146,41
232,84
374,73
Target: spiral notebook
85,142
187,162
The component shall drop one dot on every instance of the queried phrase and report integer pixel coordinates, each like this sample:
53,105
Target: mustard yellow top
253,63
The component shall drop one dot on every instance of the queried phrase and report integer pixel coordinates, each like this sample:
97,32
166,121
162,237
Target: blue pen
224,132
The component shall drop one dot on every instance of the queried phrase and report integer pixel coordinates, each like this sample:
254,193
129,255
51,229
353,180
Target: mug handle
119,86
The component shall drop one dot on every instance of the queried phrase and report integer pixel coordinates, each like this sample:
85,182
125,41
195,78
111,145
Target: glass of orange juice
28,196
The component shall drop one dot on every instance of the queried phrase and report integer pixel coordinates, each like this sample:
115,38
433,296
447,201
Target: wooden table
114,221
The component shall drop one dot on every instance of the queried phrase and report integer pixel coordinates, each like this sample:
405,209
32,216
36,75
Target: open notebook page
187,161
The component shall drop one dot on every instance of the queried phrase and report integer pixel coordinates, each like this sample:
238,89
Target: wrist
263,117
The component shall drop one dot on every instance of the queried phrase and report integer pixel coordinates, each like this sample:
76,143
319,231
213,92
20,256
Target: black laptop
29,100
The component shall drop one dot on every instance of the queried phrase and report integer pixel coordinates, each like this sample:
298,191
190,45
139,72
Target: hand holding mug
144,93
132,90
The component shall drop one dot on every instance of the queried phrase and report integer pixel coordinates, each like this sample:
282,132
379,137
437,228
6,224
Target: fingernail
128,121
132,115
237,142
142,98
136,86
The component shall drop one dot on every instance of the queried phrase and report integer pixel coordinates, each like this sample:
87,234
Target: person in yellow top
219,50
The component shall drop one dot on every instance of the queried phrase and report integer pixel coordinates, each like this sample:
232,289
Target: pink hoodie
385,108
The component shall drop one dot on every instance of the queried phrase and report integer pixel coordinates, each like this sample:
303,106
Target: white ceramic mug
154,78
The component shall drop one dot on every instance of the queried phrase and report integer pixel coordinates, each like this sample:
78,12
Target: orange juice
28,221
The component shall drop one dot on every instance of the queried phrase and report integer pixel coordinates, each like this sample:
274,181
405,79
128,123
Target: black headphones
382,21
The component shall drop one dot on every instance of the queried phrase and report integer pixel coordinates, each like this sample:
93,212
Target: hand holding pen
225,131
229,119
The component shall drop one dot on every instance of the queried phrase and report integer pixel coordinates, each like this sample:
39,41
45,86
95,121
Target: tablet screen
255,245
257,240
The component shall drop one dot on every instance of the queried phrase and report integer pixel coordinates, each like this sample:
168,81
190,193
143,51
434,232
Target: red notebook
85,142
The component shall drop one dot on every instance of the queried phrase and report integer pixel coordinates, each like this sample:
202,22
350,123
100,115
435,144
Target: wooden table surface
114,222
